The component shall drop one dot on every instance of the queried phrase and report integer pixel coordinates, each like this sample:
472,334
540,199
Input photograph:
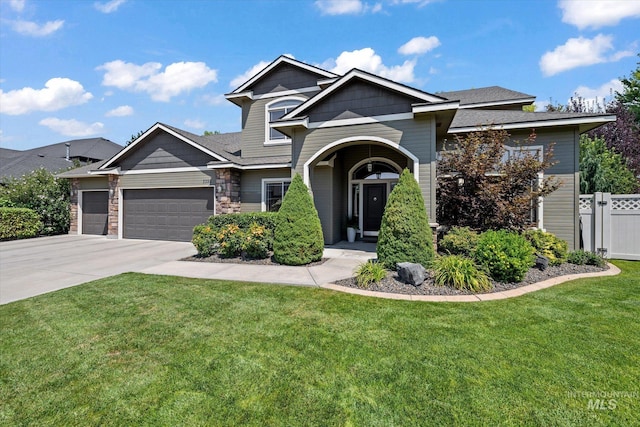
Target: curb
512,293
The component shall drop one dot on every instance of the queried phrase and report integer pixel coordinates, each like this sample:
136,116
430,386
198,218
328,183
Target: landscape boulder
542,262
413,274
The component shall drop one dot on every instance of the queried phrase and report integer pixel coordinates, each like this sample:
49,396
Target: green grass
155,350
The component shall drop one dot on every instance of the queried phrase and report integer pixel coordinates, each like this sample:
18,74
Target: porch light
369,167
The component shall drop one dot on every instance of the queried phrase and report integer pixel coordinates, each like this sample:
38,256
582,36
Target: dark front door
374,200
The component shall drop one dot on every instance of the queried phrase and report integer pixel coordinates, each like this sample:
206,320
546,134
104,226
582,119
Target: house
55,157
348,135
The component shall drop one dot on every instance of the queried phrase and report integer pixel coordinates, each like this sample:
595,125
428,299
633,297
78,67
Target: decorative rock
542,262
413,274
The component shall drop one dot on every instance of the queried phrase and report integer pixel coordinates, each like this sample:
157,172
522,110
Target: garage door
165,214
95,212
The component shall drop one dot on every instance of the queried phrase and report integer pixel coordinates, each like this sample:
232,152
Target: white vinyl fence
611,225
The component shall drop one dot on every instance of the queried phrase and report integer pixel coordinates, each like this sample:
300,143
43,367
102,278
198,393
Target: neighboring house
55,157
349,136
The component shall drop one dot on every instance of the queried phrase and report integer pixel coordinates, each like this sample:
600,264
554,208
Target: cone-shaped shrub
405,235
298,236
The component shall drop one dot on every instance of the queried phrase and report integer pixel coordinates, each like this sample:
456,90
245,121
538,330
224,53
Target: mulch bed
243,260
392,284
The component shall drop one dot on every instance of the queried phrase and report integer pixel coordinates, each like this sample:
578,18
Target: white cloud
598,13
580,52
17,5
108,7
121,111
195,123
420,3
606,90
238,80
419,45
177,78
58,93
214,99
28,28
340,7
367,60
72,127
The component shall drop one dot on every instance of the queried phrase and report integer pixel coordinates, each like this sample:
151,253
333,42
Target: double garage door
154,214
165,213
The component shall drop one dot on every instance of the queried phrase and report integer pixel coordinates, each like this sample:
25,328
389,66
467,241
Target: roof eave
584,124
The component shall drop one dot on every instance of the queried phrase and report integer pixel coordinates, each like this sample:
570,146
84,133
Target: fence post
605,210
596,241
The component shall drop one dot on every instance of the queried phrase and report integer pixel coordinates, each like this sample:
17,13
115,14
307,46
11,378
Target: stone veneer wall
112,221
227,200
73,209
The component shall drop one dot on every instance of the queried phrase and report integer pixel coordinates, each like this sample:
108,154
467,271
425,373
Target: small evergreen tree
405,235
298,238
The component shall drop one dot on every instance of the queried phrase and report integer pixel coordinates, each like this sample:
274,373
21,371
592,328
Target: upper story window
274,111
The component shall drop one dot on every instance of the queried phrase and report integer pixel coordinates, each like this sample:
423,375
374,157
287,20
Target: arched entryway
353,177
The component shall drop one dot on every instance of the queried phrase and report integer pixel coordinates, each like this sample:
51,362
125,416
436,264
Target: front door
373,202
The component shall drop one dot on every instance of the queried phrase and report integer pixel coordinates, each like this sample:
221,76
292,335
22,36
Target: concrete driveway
36,266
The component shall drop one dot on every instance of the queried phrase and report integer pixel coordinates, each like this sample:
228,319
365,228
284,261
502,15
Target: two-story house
349,136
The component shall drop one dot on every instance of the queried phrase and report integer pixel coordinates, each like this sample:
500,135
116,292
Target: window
273,191
275,111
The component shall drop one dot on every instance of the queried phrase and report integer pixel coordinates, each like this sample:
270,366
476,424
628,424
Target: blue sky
78,69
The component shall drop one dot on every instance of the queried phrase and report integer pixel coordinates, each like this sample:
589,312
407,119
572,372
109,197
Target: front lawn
155,350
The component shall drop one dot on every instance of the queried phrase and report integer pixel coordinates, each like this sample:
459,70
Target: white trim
540,150
355,73
112,171
263,200
170,132
80,200
361,182
164,170
287,92
526,101
364,139
361,120
247,94
536,124
435,107
267,119
250,167
277,62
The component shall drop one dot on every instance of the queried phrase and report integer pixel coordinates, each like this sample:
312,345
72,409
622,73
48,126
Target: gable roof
488,97
283,59
469,120
423,97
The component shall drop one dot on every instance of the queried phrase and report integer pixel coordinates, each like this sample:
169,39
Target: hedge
18,223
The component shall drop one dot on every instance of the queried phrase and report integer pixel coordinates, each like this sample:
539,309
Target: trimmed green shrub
43,193
298,238
204,239
18,223
244,220
369,272
461,273
256,241
581,257
405,235
507,256
548,245
459,241
230,239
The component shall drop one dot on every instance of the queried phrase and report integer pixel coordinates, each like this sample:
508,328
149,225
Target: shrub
405,235
229,240
43,193
298,236
459,241
548,245
461,273
204,239
244,220
369,272
595,259
507,256
256,241
578,257
18,223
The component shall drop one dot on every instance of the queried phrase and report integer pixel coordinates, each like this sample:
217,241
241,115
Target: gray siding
98,183
285,77
360,99
169,180
323,190
416,136
251,187
164,151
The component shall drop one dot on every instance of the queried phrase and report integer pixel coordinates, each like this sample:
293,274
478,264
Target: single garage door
95,212
166,213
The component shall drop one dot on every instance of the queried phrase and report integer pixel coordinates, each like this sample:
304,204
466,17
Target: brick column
227,200
112,221
73,208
